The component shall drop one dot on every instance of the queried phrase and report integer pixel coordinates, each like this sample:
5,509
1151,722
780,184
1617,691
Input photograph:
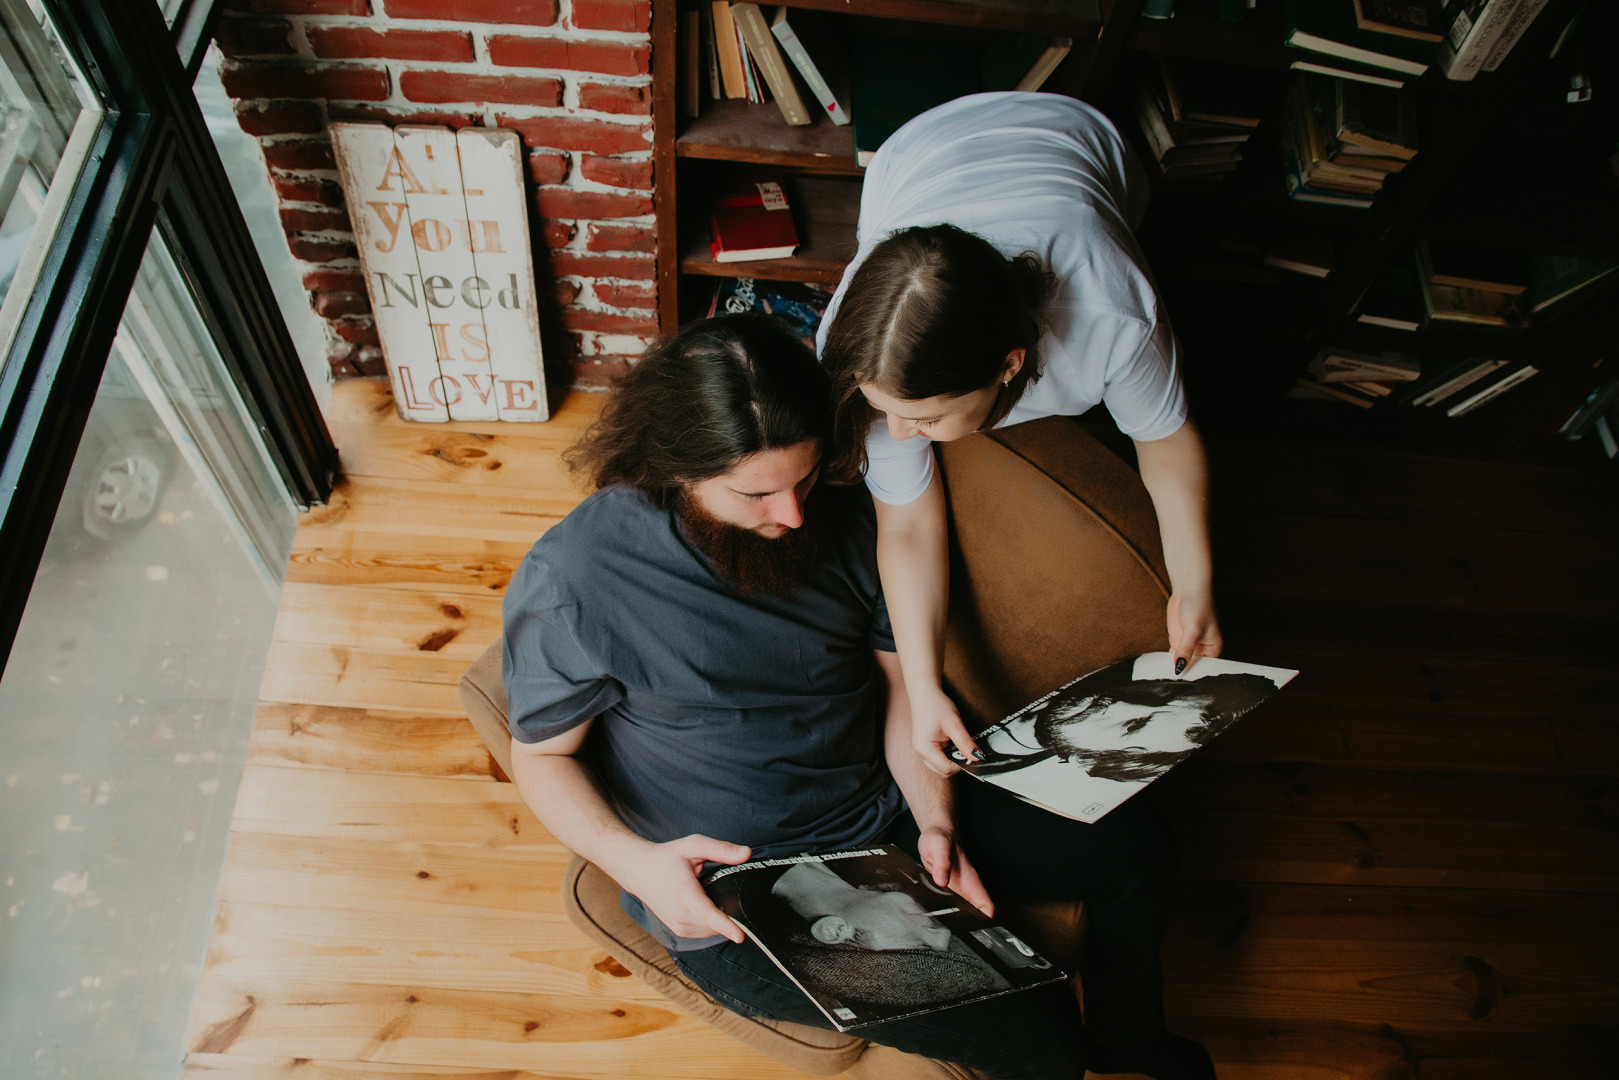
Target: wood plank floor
1406,866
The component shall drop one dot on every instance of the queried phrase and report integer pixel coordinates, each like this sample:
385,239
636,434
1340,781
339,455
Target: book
869,937
1305,253
1520,21
1451,382
751,220
716,88
1392,299
1461,304
1213,93
1420,19
1492,391
799,304
691,62
791,36
1607,429
728,47
1328,28
1016,61
1557,277
1469,267
1373,118
1477,27
895,79
766,55
1307,388
1598,402
1086,747
1337,364
1347,71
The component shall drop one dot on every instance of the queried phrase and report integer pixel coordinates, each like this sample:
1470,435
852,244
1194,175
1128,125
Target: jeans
1122,868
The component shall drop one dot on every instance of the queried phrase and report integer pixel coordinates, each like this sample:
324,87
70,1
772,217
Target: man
700,670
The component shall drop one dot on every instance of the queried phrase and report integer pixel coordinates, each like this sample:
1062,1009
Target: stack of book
1376,42
1473,286
1195,117
1480,34
1342,140
1356,378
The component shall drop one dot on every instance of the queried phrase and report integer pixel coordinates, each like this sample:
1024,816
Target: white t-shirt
1047,174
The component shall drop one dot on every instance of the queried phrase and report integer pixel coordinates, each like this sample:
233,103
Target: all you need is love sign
442,228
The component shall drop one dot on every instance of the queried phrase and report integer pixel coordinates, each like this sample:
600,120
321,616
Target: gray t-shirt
752,719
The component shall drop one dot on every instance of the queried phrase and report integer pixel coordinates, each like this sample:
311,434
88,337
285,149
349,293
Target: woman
998,280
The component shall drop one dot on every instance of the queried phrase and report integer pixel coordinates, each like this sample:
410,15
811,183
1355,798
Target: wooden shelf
734,130
1036,16
825,211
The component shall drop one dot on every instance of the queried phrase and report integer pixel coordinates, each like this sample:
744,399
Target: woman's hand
943,858
1193,628
935,726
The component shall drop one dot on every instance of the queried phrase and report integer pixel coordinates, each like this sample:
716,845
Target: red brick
530,12
266,80
566,292
621,295
616,172
573,133
356,331
340,358
253,37
334,281
568,203
278,117
306,189
558,233
359,42
549,168
317,251
604,57
302,7
300,154
612,98
577,264
622,238
330,305
383,114
368,358
460,86
314,220
608,322
599,373
611,14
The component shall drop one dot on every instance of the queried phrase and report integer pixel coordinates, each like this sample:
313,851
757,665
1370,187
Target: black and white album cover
1082,750
869,937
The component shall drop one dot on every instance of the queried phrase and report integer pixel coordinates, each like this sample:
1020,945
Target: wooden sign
442,227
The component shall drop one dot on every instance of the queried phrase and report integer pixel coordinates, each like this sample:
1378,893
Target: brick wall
571,76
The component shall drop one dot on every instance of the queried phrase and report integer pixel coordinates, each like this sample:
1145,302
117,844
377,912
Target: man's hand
947,863
664,878
935,724
1193,629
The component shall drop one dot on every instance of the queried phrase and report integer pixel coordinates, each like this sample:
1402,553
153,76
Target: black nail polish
1180,664
978,755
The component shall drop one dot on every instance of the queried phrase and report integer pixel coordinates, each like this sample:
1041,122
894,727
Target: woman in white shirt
998,280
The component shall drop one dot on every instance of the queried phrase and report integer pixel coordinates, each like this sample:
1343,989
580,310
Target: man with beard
700,670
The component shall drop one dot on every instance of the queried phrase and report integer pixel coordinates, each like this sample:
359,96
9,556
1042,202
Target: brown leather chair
1057,570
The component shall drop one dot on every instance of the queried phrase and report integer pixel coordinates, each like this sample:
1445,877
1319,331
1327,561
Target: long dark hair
933,310
700,400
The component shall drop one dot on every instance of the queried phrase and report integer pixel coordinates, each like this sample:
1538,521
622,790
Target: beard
750,563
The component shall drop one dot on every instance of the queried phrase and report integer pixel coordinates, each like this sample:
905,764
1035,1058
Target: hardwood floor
1405,866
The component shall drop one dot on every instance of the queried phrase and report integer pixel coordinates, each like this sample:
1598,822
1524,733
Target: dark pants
1122,868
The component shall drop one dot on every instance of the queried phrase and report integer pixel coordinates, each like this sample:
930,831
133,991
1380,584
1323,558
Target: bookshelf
1491,172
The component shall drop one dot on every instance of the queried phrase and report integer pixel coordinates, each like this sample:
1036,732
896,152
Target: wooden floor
1406,866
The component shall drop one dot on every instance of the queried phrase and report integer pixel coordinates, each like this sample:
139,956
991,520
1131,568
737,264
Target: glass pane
47,118
126,705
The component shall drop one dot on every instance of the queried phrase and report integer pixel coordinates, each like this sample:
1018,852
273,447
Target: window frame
151,164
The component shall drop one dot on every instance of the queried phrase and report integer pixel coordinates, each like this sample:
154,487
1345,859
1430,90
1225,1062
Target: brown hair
933,310
700,400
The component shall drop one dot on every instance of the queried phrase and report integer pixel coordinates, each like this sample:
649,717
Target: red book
752,221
